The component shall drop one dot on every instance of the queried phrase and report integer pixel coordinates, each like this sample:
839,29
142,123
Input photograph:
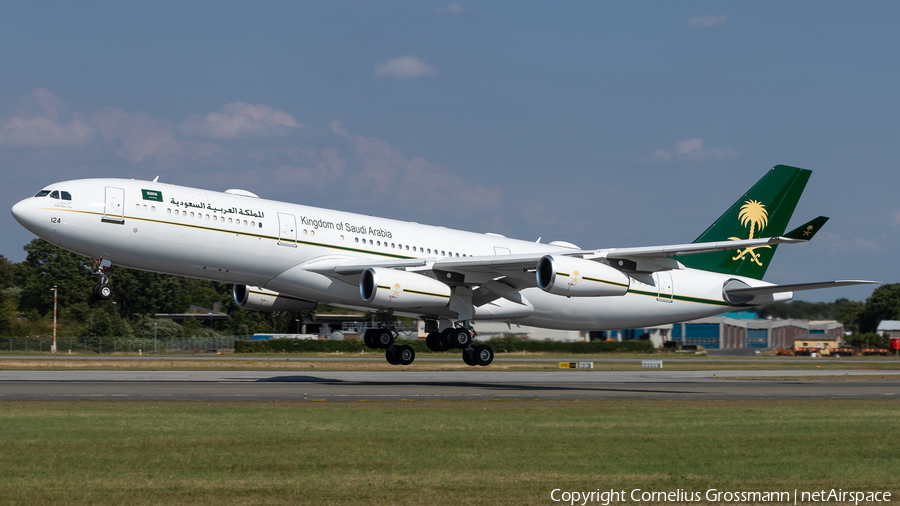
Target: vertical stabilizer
764,211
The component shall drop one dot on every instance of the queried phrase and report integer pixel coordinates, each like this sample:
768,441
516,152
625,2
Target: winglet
806,231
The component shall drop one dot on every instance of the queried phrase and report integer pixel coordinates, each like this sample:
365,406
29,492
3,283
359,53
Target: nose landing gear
102,290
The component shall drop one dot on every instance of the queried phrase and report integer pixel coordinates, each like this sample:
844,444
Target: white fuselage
247,240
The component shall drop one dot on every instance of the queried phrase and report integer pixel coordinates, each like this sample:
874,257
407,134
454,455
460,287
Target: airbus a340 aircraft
282,256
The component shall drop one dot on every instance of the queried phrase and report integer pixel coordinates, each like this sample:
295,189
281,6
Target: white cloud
895,217
708,21
690,150
135,136
44,130
45,99
263,149
452,9
404,67
238,119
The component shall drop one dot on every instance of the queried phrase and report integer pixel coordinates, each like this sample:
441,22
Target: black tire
390,355
368,339
469,357
433,341
460,338
446,340
382,338
404,355
484,355
103,291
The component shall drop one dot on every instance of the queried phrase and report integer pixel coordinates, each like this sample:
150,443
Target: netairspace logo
607,497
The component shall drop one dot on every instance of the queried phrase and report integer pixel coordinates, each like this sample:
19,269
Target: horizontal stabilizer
806,231
798,287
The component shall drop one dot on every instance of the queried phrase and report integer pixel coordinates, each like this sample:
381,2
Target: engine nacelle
260,299
400,289
576,277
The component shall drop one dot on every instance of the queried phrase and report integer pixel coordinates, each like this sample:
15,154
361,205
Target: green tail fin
764,211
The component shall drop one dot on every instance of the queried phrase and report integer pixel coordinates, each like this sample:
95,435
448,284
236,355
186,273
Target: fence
109,345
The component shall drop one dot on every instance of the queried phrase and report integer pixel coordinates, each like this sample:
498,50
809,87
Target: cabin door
287,230
114,210
664,285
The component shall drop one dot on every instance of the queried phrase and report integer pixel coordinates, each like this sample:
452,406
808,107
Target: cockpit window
65,195
43,193
54,195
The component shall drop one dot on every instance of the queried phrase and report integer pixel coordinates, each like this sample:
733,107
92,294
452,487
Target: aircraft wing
480,269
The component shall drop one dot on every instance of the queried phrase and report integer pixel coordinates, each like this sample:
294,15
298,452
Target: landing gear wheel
445,340
404,355
484,355
460,338
103,291
433,341
469,357
367,339
382,338
391,356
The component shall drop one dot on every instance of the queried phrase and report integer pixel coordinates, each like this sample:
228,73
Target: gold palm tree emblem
754,214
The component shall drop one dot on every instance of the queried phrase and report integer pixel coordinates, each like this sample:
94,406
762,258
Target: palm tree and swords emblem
754,214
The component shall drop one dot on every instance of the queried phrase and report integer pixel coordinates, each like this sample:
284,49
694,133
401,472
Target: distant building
889,327
822,342
487,330
738,331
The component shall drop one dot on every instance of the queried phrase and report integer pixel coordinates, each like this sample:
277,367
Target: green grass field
457,452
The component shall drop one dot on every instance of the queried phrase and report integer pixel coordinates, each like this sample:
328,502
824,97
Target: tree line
26,302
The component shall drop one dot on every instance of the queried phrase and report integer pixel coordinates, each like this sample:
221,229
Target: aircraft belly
609,313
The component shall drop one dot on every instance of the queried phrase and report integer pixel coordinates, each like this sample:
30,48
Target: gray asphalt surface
475,384
379,357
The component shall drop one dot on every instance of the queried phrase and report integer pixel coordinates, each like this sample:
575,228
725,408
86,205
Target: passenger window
65,195
54,195
43,193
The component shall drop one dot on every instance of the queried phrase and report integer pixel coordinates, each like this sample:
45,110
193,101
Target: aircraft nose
23,210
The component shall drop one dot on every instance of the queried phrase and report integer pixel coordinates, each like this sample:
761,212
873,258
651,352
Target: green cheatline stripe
279,295
238,232
418,292
594,279
682,298
605,281
428,293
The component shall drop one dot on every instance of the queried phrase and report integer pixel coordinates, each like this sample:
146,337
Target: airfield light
53,346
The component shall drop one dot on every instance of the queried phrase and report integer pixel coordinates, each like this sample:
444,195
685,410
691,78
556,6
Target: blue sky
606,124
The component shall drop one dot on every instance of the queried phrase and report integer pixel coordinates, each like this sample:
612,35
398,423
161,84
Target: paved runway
357,385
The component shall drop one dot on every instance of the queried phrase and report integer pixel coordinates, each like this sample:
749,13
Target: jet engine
400,289
260,299
576,277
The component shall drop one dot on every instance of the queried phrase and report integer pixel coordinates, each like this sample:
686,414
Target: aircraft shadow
473,385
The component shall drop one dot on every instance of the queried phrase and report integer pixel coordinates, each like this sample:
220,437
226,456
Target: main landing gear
384,339
450,338
460,338
102,290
